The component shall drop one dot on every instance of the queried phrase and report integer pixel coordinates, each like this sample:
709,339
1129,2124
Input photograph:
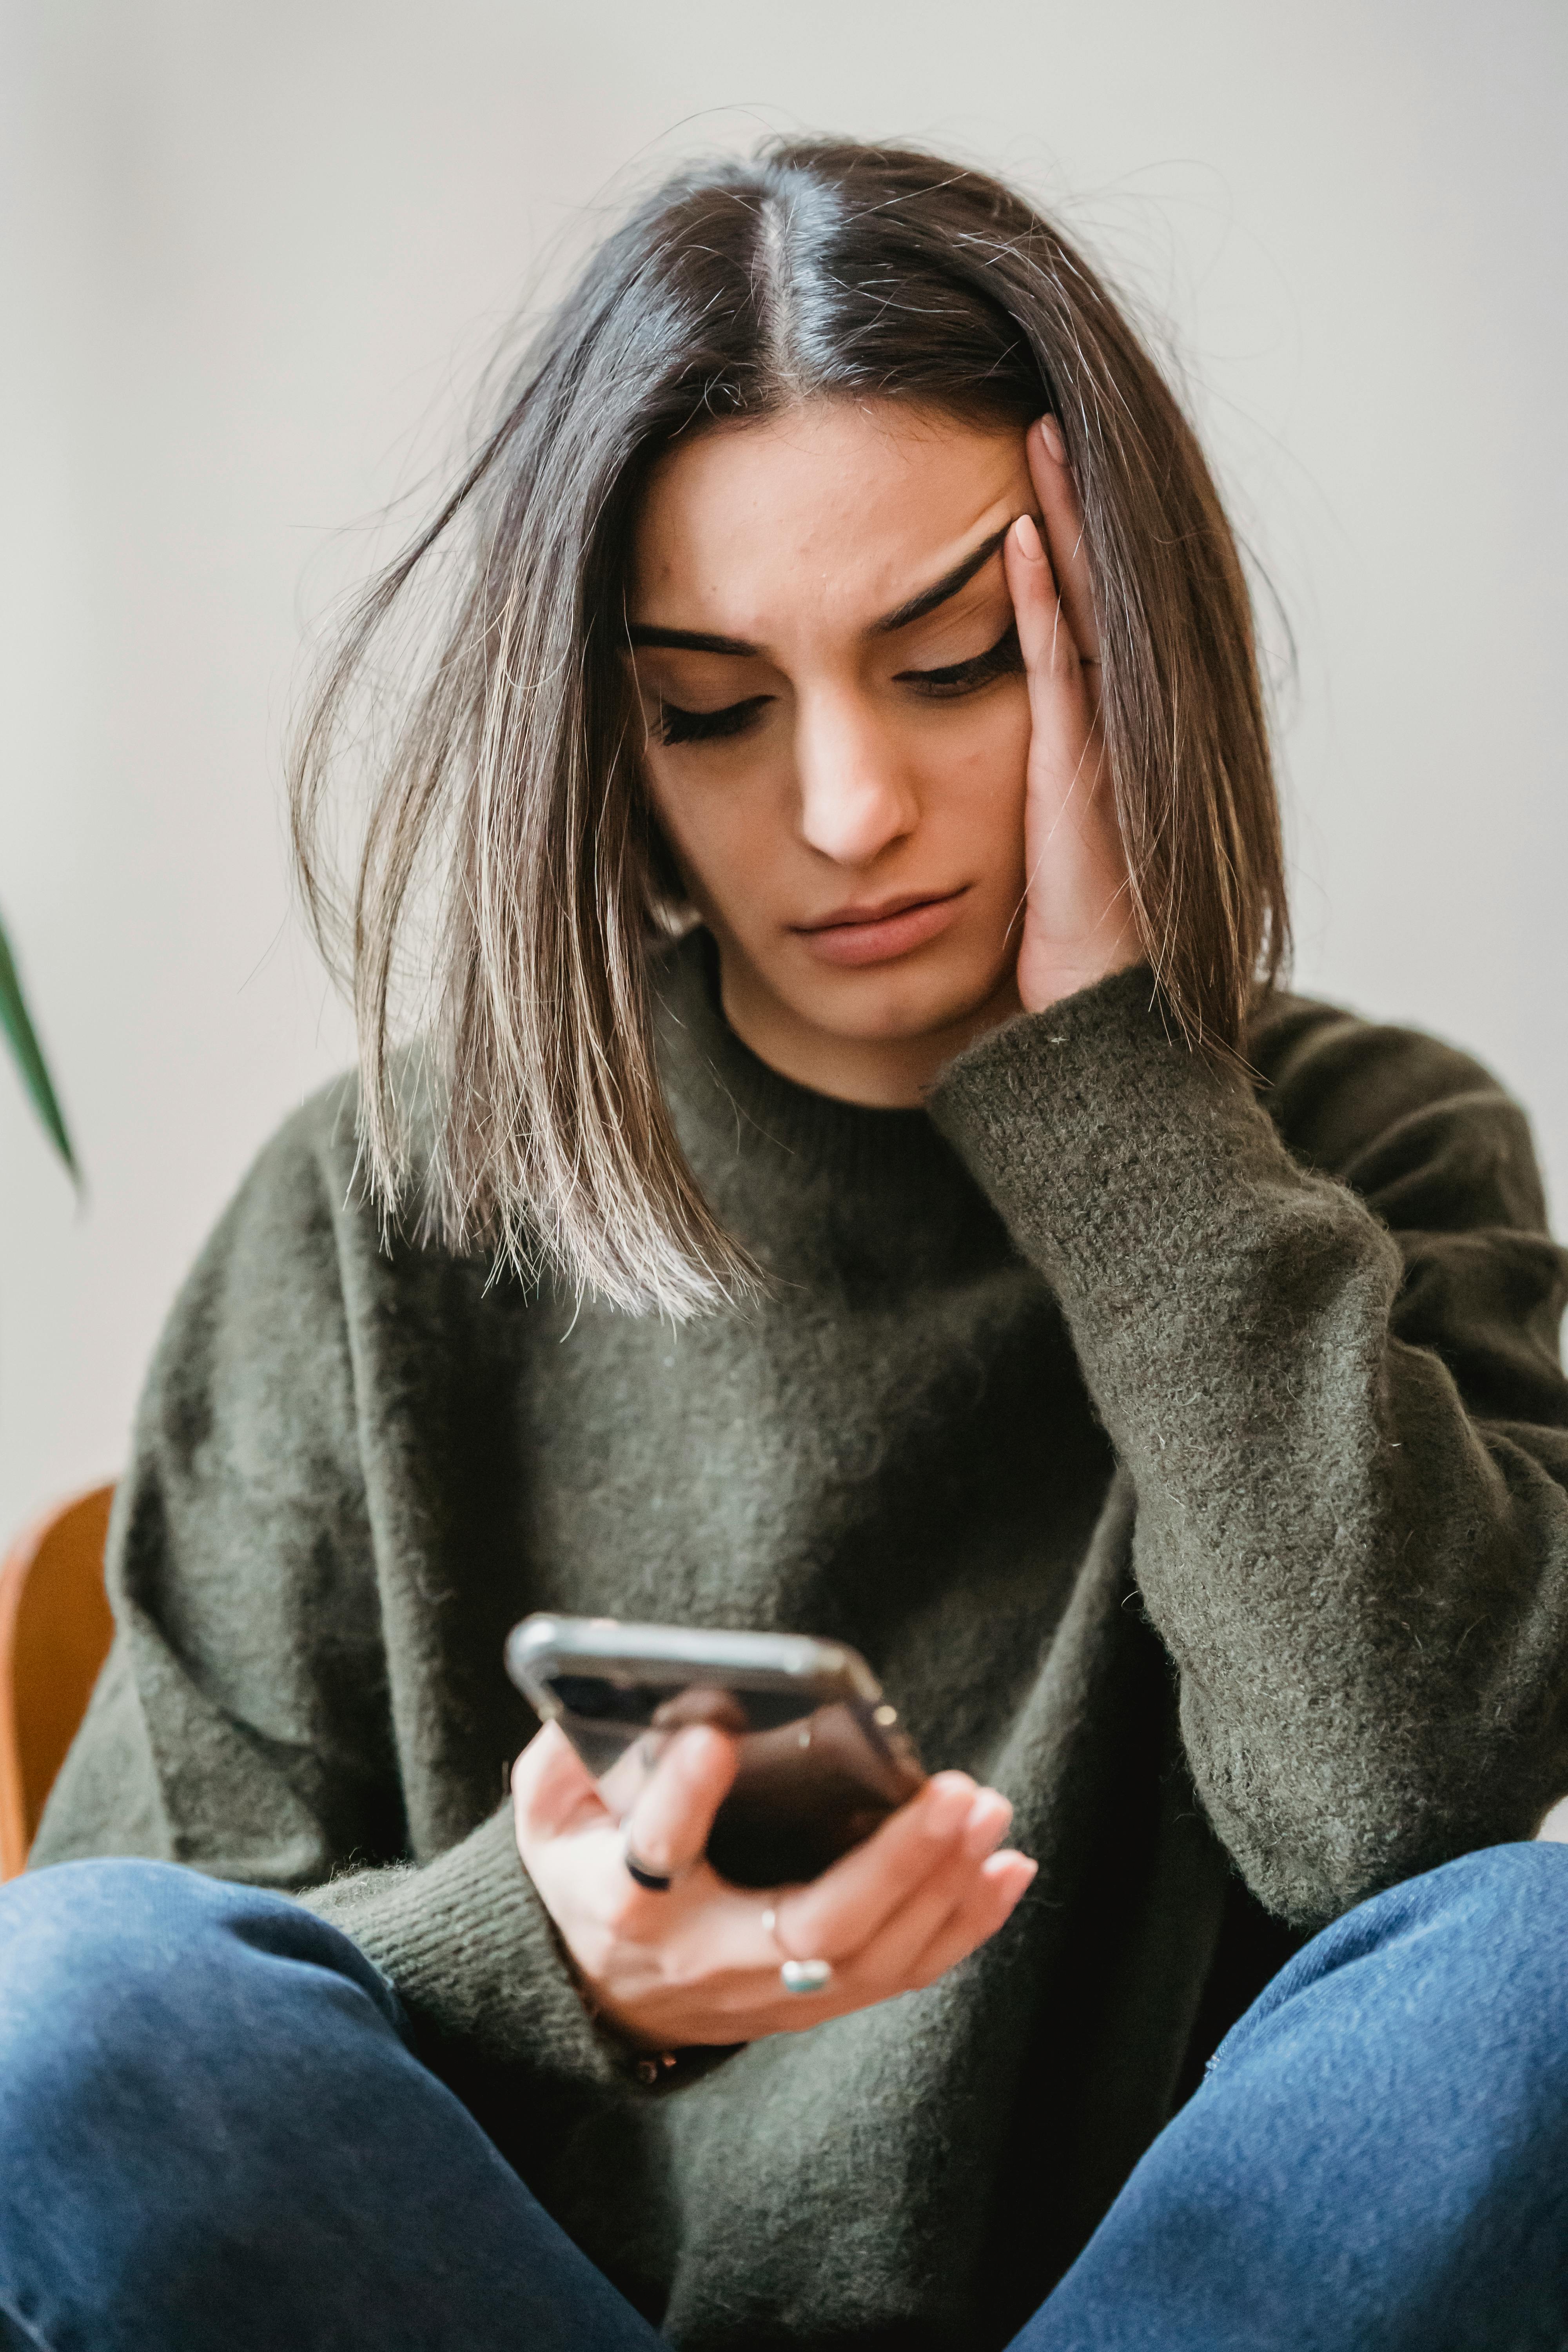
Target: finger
668,1827
737,1960
991,1891
1050,656
553,1790
893,1953
1003,1881
840,1912
1064,749
1058,494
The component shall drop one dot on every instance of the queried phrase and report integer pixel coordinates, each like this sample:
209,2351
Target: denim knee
130,1985
1474,1953
217,2133
1496,1919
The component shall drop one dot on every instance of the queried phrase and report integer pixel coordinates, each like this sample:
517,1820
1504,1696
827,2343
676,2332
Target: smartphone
823,1758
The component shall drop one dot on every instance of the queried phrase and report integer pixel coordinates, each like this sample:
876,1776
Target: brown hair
511,776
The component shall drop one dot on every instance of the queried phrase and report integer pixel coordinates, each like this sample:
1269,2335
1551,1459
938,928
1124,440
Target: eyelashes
1003,659
949,684
677,726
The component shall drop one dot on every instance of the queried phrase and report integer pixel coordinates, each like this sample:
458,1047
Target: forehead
832,513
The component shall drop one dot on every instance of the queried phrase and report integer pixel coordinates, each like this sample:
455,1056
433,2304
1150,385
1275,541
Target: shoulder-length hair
513,775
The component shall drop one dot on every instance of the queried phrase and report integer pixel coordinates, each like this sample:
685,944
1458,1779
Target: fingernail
990,1817
693,1745
1028,538
1051,434
1000,1865
950,1805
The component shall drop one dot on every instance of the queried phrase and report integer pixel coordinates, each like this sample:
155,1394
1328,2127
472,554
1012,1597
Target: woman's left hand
1078,920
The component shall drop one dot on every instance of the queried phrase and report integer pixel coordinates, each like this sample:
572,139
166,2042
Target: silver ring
805,1976
797,1976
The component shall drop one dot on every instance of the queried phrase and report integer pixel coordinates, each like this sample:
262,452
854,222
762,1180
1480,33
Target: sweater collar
726,1099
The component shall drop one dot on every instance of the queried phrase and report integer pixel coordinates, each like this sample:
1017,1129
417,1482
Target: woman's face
837,728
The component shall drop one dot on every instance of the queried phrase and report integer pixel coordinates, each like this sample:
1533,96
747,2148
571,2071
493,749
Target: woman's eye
1003,659
677,726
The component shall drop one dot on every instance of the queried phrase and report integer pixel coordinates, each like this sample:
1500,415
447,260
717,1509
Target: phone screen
813,1781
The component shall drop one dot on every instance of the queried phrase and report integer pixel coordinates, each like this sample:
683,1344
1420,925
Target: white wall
252,257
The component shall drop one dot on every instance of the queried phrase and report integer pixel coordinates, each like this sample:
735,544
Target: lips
856,918
866,935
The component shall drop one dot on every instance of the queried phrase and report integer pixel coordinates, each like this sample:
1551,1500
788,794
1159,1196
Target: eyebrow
697,641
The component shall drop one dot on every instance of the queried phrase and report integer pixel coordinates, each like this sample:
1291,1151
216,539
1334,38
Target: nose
857,798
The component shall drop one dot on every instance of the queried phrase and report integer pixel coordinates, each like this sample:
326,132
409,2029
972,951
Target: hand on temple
1079,924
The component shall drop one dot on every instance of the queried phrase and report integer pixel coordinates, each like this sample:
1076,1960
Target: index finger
668,1827
1064,535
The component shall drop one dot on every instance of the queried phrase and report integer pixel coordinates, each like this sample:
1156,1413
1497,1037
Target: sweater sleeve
1324,1345
243,1723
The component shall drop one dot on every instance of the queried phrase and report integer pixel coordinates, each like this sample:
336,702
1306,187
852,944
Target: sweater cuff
472,1953
1103,1139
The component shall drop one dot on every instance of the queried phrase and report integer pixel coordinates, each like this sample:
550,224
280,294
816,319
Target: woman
862,1177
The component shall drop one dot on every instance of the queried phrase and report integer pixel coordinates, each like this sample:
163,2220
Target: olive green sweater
1188,1457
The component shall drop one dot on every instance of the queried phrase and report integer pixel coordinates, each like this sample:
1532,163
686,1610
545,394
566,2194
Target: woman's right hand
696,1964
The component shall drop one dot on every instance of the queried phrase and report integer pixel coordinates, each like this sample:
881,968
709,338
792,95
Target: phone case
823,1758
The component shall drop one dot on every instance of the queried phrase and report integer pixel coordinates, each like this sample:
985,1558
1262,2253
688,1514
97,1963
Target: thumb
552,1790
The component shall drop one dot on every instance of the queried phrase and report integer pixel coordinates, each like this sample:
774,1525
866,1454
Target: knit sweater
1187,1452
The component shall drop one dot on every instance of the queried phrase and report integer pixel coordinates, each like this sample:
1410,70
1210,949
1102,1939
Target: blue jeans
216,2135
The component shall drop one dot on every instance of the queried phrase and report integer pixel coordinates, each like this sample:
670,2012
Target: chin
889,1006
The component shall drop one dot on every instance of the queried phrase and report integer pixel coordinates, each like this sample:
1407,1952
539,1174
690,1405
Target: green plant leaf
17,1022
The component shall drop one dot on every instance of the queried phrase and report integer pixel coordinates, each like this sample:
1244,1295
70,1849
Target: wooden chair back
55,1631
